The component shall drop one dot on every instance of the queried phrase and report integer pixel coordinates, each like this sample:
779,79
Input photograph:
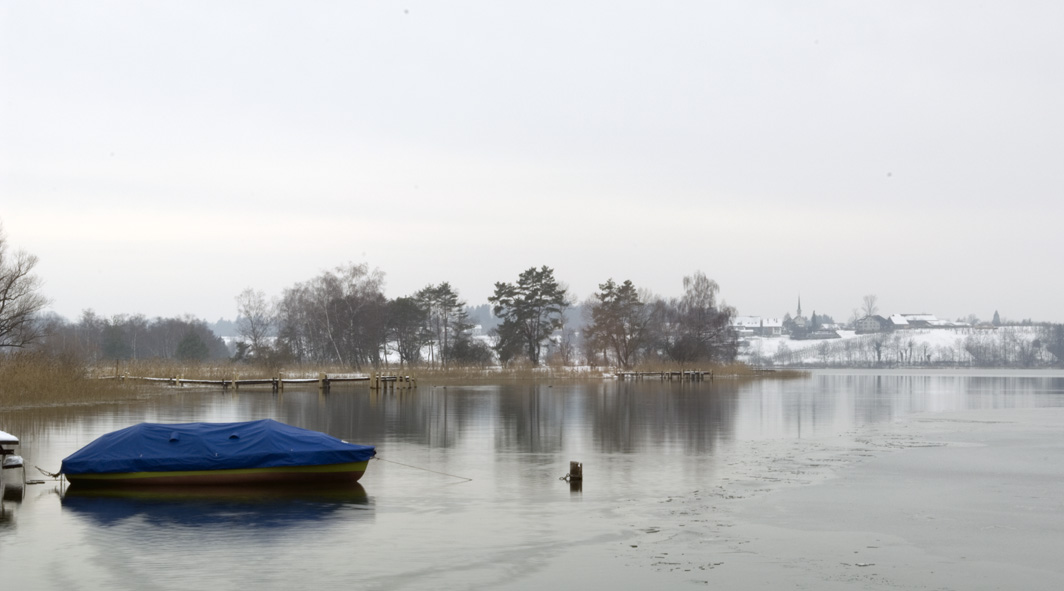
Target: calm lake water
492,512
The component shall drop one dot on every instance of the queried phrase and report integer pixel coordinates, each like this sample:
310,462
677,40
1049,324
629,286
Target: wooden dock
667,376
375,380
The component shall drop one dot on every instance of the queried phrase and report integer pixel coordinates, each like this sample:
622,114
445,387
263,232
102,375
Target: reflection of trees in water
533,418
634,416
615,417
622,417
672,416
833,403
904,394
625,417
433,416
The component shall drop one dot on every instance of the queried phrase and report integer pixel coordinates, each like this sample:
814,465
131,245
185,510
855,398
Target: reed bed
234,371
166,368
30,380
448,375
36,379
726,370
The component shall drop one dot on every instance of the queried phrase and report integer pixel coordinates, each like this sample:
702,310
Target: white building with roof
758,326
898,321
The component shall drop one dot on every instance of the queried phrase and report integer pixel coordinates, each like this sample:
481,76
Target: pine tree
192,348
531,310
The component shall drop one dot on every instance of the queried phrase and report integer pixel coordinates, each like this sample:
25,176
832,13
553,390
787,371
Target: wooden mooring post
682,375
576,471
379,381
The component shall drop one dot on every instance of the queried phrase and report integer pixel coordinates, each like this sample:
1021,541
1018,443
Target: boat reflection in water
14,490
7,514
226,537
216,507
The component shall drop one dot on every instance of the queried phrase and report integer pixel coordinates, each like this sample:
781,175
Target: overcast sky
160,157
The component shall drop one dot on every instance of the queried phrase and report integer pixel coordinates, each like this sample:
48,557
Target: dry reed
35,379
454,374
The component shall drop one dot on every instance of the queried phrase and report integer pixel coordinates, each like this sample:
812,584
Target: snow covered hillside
1008,346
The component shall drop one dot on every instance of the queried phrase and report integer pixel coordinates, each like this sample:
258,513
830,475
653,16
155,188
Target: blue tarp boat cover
159,447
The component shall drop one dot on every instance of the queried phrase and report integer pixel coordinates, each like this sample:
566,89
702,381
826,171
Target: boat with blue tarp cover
246,453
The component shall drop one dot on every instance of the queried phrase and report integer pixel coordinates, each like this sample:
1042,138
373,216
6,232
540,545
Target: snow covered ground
1003,346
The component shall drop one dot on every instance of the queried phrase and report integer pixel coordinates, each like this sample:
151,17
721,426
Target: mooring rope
420,468
47,473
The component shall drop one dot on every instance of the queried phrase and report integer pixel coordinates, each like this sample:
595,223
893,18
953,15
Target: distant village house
756,326
873,324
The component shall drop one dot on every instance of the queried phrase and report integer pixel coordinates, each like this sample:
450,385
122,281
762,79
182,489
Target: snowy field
1003,346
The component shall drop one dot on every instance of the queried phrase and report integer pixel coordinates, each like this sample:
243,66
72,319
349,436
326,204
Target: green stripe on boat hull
325,473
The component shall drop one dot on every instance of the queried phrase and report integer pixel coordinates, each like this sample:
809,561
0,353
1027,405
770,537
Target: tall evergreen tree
530,309
192,347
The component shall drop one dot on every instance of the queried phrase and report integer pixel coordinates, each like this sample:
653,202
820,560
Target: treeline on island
342,318
97,339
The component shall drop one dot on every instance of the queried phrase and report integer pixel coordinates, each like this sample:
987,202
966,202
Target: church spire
799,305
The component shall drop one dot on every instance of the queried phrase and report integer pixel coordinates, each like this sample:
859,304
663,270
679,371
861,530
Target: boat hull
349,472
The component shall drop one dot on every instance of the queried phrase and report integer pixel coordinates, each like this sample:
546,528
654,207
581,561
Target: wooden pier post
576,471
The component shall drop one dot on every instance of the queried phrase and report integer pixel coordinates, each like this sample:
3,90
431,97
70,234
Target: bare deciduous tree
870,308
20,299
254,318
697,328
619,321
338,317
